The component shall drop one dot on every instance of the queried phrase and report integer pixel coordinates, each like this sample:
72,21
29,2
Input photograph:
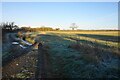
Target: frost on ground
70,56
75,58
22,67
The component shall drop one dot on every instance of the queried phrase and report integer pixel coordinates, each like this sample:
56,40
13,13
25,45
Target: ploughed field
79,54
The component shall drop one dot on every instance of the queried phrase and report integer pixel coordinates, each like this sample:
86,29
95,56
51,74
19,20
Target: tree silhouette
9,26
73,26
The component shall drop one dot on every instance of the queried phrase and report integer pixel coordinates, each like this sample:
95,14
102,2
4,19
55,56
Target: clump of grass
91,54
30,40
19,34
22,75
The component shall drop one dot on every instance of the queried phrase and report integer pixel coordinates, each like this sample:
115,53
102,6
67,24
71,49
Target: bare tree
73,26
9,26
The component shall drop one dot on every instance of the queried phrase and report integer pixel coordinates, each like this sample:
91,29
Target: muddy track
43,65
21,67
17,63
18,51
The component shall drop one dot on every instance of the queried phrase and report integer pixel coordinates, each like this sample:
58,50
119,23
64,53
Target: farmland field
60,40
80,54
83,54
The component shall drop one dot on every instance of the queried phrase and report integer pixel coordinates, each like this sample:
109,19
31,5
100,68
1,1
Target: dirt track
22,63
26,63
21,67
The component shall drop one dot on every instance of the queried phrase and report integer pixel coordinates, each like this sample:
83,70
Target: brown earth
21,67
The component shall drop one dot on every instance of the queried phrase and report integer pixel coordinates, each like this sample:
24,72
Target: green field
82,54
67,54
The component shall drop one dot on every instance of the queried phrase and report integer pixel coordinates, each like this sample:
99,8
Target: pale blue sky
87,15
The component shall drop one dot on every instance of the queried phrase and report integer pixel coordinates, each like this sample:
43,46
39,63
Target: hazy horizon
87,15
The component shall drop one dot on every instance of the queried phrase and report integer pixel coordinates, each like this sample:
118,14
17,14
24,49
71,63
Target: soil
21,67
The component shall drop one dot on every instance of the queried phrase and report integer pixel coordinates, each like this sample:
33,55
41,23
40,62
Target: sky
86,15
60,0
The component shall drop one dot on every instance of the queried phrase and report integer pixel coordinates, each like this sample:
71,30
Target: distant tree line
38,29
11,27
